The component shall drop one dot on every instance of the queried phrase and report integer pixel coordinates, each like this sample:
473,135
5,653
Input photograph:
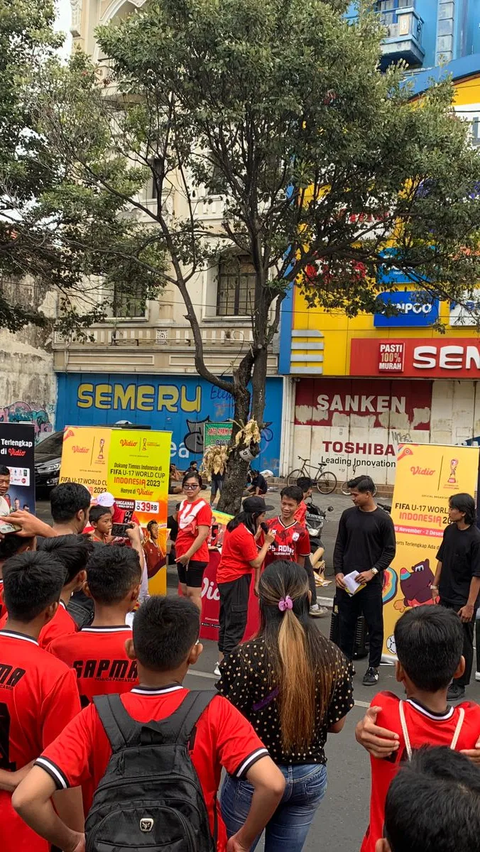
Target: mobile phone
9,528
264,527
120,530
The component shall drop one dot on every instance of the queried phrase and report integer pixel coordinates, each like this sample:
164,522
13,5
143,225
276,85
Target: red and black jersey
38,697
99,659
3,608
424,728
224,738
61,624
291,541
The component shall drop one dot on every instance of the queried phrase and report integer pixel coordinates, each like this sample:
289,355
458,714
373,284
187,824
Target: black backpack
150,797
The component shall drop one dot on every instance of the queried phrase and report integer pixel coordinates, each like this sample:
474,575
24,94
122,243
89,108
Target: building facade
358,387
139,364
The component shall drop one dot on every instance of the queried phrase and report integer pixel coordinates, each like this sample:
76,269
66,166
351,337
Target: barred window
236,287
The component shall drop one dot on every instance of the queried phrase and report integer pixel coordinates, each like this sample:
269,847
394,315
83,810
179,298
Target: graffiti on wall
22,412
181,405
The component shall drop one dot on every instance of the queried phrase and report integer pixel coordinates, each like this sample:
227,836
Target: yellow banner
426,477
134,466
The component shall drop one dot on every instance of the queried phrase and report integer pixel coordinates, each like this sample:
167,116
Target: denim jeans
287,829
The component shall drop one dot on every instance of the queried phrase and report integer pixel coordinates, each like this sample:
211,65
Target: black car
48,457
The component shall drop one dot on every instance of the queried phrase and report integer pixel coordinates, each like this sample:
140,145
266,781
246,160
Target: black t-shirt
365,540
248,681
172,525
260,482
460,557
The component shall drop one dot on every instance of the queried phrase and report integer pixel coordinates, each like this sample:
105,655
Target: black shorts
191,574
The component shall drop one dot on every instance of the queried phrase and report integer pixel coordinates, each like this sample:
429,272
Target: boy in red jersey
38,694
10,545
73,552
292,541
429,643
97,653
305,483
165,642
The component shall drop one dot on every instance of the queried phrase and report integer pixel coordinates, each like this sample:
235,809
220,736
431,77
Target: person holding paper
365,544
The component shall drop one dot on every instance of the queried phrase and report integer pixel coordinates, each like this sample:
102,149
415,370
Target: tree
30,171
323,163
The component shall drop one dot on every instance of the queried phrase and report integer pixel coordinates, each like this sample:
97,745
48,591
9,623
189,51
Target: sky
63,23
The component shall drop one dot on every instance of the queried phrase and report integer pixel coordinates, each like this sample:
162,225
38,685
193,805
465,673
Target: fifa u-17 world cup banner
427,475
17,452
134,466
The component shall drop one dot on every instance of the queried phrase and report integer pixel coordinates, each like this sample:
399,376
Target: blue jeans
288,827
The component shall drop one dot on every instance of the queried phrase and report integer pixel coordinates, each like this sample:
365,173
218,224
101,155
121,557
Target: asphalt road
342,818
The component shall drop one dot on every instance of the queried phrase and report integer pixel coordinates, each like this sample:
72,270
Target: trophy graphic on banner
101,456
452,479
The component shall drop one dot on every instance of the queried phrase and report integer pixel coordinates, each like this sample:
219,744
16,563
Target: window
128,304
236,287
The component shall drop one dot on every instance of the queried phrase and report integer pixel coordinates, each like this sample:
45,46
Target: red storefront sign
335,402
445,358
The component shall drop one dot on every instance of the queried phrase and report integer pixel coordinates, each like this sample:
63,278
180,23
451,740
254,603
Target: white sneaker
477,675
217,671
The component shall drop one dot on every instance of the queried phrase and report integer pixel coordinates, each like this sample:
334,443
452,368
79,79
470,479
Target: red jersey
301,513
38,697
61,624
238,550
424,728
224,738
291,541
99,659
190,517
3,608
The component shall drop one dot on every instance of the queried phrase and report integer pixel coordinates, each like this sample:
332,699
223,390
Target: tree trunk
237,469
253,368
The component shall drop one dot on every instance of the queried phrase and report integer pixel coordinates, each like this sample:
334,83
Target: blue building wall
466,26
177,404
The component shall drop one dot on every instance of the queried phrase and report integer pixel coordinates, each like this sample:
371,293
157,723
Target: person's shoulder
50,667
348,513
471,709
388,702
475,532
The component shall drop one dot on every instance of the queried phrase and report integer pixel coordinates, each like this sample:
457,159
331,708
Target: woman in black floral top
295,687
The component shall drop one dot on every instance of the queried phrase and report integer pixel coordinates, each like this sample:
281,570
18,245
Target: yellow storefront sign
427,476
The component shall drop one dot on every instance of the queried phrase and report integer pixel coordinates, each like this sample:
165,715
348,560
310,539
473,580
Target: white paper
351,582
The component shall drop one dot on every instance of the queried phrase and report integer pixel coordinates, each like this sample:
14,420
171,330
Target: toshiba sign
440,358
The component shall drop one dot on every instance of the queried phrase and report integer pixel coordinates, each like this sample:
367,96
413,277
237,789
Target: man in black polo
365,543
457,579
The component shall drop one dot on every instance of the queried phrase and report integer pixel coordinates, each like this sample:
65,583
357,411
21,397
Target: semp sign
413,309
445,358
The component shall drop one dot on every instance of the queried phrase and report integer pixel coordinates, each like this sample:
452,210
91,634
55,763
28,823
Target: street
343,815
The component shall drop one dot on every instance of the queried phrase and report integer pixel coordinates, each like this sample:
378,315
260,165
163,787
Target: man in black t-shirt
257,483
365,543
457,579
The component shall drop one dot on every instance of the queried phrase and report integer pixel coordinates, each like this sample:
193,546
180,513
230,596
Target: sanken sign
412,308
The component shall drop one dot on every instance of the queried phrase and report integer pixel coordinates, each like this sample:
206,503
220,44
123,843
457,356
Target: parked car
48,457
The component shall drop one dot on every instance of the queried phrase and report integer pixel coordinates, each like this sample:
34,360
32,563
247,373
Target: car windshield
51,445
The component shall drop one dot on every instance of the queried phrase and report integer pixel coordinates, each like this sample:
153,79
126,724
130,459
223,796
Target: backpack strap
179,727
406,736
461,717
119,726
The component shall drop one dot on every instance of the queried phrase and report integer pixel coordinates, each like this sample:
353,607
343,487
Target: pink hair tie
285,603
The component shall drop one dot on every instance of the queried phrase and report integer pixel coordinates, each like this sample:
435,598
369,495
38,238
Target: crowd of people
100,739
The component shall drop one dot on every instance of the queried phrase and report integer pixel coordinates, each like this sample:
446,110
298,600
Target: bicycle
345,489
324,480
